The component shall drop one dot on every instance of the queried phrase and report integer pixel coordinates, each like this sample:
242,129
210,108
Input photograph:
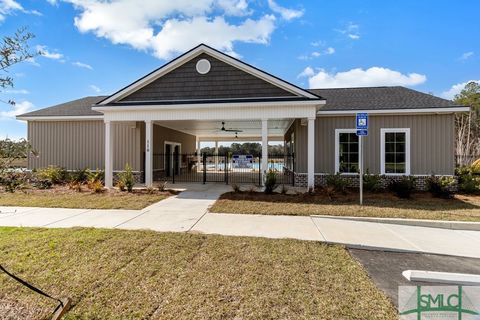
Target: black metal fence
229,169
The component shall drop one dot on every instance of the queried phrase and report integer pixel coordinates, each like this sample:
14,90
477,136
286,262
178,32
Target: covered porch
249,122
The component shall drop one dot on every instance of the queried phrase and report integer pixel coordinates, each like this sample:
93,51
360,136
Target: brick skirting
320,180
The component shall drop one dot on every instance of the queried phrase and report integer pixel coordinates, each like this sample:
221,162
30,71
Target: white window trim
407,150
337,150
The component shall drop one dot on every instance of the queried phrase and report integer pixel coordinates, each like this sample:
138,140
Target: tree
13,50
468,124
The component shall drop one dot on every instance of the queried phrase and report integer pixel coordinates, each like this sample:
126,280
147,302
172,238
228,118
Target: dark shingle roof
379,98
368,98
79,107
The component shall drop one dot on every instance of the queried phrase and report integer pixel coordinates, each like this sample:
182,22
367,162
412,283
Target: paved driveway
187,212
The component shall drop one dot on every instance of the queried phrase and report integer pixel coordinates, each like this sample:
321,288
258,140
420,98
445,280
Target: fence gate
228,168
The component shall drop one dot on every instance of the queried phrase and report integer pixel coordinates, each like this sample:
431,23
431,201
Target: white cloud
33,62
17,91
82,65
307,72
166,28
351,30
285,13
455,89
235,7
15,110
52,2
49,54
466,55
374,76
95,88
316,54
8,7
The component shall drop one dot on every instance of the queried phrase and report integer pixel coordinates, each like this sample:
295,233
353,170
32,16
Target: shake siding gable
224,81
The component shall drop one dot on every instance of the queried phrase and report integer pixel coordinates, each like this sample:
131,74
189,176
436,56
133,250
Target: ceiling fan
230,130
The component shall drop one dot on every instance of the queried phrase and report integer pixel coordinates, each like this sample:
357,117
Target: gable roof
204,49
76,108
379,98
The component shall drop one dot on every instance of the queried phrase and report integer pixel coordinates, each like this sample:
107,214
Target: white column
311,154
199,157
216,155
264,148
148,153
108,154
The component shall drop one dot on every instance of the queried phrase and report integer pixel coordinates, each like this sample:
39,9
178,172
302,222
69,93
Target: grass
62,197
114,274
385,205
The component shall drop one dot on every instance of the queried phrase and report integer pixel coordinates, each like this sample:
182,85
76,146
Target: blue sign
362,121
362,132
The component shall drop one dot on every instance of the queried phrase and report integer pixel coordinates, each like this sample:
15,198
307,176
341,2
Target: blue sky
95,47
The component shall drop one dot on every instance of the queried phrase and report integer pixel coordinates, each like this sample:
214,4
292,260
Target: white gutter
393,111
58,118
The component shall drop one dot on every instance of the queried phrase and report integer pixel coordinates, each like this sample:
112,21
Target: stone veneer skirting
320,180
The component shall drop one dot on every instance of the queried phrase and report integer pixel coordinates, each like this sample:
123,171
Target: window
395,151
346,151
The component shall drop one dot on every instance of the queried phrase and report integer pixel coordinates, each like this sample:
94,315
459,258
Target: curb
453,225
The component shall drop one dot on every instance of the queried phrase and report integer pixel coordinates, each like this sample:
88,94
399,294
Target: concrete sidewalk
187,212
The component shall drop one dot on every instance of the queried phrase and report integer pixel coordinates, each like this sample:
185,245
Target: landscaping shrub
236,187
80,176
476,167
270,182
126,178
403,187
13,181
42,184
163,186
95,185
96,175
75,185
441,187
468,181
372,182
55,174
337,182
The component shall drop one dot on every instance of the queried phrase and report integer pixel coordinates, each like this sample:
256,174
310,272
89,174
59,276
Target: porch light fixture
203,66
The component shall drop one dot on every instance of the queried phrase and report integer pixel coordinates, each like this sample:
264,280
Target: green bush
55,174
441,187
80,176
96,175
126,178
42,184
13,181
468,183
270,181
337,183
403,187
372,182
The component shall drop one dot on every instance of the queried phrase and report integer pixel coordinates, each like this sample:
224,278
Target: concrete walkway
187,212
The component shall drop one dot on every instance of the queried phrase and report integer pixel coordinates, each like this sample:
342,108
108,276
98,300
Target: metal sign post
362,130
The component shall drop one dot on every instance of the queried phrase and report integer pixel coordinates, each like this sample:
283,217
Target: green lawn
421,206
114,274
63,198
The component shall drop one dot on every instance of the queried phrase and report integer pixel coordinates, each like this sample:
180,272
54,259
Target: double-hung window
395,151
346,151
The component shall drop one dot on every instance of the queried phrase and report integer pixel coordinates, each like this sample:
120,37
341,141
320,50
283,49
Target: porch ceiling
211,130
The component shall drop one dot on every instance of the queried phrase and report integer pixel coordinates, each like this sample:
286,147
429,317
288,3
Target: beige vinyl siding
81,144
432,142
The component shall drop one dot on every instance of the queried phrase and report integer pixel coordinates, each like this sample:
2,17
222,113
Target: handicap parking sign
362,121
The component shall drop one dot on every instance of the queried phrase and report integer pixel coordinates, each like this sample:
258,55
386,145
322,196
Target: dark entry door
168,160
176,160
